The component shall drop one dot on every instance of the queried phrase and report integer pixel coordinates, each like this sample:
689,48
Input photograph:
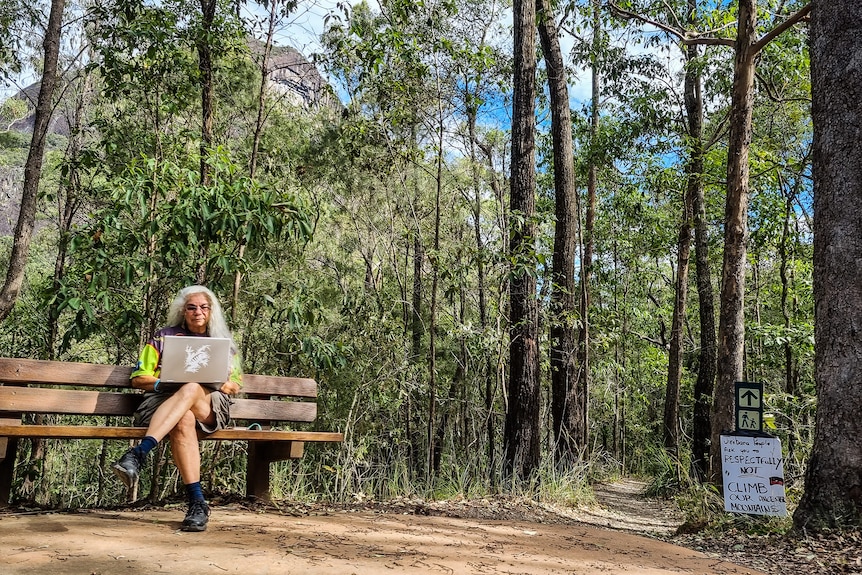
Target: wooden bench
30,386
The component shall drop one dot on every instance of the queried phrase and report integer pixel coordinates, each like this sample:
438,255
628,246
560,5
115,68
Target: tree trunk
205,65
674,368
68,206
33,165
521,432
833,480
703,387
435,278
416,329
583,347
255,146
487,367
565,407
790,371
694,185
731,323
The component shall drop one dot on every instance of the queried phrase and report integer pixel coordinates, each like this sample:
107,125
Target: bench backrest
31,386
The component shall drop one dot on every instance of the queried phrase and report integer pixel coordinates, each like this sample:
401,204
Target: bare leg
186,449
190,398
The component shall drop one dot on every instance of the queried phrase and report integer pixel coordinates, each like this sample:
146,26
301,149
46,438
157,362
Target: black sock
195,492
146,446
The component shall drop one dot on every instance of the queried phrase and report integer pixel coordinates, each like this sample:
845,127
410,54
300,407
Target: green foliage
323,242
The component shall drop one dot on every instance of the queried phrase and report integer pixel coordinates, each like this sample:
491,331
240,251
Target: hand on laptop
229,387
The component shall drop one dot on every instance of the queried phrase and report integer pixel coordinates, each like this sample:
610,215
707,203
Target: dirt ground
413,538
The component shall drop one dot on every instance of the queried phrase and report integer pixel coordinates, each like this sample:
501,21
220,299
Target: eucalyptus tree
582,381
731,327
33,167
692,217
522,433
832,482
566,405
731,330
628,122
277,12
149,59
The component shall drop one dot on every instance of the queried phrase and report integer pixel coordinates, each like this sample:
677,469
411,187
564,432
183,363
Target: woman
187,410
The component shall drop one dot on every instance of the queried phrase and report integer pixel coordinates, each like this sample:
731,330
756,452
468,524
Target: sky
301,31
303,27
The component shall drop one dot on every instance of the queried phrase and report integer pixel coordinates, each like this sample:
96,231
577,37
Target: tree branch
626,15
772,34
686,38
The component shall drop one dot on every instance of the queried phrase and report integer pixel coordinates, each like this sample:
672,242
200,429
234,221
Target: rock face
290,75
59,123
11,179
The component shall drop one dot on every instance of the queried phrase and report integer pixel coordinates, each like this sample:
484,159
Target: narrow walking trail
621,505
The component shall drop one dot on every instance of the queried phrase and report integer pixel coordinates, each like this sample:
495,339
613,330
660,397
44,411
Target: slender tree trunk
435,276
694,185
833,479
68,206
521,433
674,368
790,376
731,323
258,132
490,427
33,165
565,407
703,386
205,65
416,328
583,348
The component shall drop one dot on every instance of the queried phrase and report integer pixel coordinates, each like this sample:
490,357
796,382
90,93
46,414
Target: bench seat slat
98,432
76,402
40,372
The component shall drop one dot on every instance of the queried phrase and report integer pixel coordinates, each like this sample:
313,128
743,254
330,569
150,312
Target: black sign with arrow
749,406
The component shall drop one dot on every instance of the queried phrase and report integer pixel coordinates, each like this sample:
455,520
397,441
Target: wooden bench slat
19,371
67,401
76,402
23,371
98,432
273,410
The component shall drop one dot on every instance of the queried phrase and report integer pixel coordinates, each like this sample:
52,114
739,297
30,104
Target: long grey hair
217,325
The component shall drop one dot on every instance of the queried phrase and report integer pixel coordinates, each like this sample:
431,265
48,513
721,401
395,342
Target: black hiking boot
128,469
197,516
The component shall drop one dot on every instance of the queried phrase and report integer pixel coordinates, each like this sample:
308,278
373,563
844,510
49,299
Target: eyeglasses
192,307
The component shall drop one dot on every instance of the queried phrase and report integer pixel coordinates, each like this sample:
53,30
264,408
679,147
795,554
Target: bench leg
260,455
8,450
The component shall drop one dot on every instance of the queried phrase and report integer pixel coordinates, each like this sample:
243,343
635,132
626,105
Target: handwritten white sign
753,472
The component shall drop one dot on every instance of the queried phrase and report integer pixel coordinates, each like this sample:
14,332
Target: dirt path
241,540
622,506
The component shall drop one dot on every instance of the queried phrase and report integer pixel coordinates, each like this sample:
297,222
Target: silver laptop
205,360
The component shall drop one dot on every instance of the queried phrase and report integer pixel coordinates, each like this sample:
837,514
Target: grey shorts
152,400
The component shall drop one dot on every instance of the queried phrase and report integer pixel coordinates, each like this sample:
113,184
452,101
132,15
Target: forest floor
623,533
